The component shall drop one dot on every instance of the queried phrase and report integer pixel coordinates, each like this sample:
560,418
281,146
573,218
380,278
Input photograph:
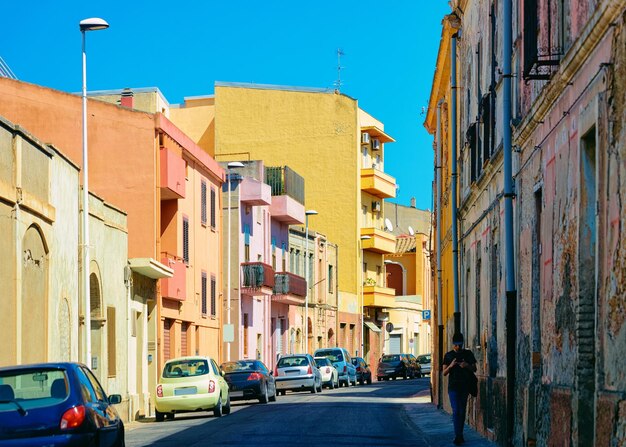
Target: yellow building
339,150
439,105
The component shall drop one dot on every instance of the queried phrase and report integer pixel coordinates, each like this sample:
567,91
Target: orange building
169,187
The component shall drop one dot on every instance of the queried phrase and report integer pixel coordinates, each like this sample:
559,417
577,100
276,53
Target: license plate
184,391
292,373
390,371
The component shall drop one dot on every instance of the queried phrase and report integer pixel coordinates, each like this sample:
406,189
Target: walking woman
460,364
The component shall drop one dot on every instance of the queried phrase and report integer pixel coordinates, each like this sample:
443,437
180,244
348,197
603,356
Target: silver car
297,372
424,361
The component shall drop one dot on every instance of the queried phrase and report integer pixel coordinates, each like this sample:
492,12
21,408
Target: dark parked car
363,371
393,366
415,369
249,379
56,404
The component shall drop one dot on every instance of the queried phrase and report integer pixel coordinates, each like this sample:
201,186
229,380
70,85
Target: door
395,344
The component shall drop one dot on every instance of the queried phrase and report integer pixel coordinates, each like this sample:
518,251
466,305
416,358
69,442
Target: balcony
289,289
287,210
381,297
172,175
379,242
378,183
174,288
255,193
257,278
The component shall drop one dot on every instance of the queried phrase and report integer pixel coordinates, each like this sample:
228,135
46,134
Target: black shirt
459,377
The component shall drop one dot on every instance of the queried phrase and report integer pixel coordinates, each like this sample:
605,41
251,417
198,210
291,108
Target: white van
341,360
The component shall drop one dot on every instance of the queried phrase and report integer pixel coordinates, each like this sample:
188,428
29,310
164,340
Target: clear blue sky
183,47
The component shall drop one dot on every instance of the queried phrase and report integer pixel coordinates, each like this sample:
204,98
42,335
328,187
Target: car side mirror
115,399
223,373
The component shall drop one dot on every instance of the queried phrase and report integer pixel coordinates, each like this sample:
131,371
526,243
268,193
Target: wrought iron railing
285,181
289,284
257,274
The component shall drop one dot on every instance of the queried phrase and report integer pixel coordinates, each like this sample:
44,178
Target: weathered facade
568,112
43,314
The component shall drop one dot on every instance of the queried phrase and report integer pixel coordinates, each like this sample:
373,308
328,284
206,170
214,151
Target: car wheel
405,375
273,396
264,398
336,384
158,416
227,406
369,380
380,379
314,388
361,381
218,411
394,377
319,390
170,416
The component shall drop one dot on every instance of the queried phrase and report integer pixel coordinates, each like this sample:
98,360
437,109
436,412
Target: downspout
453,192
439,286
511,292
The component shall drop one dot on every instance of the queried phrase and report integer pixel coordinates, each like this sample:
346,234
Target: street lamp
363,238
93,24
306,273
232,164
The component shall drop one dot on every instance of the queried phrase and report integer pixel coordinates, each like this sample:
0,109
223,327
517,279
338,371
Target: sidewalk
435,426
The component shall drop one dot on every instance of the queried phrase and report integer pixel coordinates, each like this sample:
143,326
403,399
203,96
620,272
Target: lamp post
92,24
232,164
306,274
363,238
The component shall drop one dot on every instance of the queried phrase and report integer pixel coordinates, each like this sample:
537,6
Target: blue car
56,404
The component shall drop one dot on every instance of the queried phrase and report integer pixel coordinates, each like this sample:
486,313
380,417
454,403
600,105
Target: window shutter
203,287
111,342
186,240
213,208
203,202
213,293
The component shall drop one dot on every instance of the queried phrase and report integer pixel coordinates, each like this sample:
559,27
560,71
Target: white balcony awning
150,268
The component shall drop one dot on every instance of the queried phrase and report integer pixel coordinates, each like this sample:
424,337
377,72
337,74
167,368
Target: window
213,295
331,284
111,342
186,239
213,204
203,294
203,202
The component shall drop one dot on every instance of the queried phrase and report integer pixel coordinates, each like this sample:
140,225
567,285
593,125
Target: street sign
426,314
389,327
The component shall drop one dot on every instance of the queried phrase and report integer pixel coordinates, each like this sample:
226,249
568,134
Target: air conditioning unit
365,137
376,206
375,144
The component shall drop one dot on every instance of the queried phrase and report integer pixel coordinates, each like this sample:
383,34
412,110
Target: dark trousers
458,401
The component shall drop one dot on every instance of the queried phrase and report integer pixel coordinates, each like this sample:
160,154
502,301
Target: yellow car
191,384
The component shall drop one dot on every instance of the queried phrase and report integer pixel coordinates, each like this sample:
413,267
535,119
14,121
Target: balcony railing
381,297
379,241
256,276
285,181
174,288
378,183
172,175
289,284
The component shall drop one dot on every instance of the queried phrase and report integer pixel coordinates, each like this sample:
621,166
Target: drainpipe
439,287
511,292
453,193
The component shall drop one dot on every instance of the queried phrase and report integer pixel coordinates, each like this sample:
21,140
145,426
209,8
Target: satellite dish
411,231
388,225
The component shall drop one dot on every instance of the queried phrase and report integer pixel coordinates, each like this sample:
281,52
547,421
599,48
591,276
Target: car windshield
333,356
322,362
390,358
32,388
286,362
424,359
240,366
185,368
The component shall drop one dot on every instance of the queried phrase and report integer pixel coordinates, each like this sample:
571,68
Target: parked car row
393,366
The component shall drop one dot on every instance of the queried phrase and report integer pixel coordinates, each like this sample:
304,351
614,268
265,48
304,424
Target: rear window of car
322,362
331,354
33,388
424,359
240,366
286,362
185,368
390,358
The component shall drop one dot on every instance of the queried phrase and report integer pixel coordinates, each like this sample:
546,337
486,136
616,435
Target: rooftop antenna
339,68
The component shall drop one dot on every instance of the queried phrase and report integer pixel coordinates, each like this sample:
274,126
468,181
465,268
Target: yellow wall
315,133
197,120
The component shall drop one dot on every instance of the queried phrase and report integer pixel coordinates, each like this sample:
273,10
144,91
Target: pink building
263,292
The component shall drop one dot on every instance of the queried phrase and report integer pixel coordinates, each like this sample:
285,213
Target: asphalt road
356,416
